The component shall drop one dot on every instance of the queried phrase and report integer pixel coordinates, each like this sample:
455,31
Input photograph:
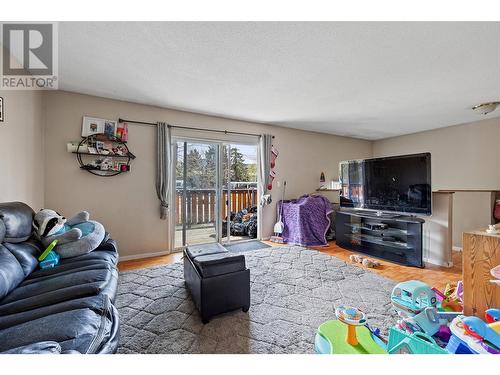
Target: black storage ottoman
217,279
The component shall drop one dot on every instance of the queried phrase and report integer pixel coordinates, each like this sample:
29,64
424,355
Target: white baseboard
438,262
143,256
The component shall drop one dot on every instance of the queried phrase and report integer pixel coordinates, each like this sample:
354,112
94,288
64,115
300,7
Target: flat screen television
400,184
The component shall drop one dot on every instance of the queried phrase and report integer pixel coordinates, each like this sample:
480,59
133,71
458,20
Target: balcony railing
200,203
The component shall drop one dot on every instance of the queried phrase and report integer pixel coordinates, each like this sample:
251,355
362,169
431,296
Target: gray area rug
241,247
293,291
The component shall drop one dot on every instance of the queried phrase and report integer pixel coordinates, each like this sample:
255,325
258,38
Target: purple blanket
306,220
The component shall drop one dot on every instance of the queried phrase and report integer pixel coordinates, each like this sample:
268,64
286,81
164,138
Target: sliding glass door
215,192
239,192
196,193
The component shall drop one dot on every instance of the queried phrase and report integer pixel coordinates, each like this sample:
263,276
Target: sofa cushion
59,287
17,219
11,272
67,266
83,330
44,347
26,253
96,303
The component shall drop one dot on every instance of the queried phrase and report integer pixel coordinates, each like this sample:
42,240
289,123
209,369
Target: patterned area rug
293,290
241,247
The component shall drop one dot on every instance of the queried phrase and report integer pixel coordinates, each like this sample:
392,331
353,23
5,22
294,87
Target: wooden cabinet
481,252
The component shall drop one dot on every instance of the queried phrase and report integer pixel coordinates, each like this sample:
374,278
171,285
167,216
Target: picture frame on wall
92,125
110,127
1,109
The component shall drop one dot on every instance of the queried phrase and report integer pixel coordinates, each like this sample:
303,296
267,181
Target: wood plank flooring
161,260
433,275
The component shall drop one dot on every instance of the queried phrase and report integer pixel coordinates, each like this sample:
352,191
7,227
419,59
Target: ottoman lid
205,249
214,260
219,264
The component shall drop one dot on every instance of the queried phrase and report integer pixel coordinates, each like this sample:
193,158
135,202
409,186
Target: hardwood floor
162,260
433,275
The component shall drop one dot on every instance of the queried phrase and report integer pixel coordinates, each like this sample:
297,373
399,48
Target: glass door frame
230,143
219,187
173,201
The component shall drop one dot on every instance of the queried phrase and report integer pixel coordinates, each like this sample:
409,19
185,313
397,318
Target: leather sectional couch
67,309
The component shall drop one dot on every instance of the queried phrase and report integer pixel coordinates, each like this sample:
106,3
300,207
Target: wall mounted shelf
101,164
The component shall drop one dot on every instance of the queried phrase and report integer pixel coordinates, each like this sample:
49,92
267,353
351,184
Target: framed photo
109,127
92,125
1,109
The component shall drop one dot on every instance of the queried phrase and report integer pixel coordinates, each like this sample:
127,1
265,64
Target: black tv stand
394,237
381,214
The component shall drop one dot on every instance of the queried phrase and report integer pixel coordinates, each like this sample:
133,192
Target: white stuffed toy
76,236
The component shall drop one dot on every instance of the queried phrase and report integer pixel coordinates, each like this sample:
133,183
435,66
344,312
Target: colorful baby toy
410,298
461,342
430,322
348,335
452,297
482,331
492,316
76,236
401,342
49,257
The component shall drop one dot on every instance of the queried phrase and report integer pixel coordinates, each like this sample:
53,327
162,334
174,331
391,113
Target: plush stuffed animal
370,263
356,258
76,236
367,262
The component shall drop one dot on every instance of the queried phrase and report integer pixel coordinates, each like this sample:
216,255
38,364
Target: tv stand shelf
397,239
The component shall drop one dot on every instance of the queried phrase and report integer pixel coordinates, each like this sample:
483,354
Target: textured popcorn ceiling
367,80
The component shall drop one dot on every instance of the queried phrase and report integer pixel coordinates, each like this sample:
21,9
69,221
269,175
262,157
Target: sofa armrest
108,244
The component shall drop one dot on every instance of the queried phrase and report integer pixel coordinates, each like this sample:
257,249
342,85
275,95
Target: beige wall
463,157
21,148
127,204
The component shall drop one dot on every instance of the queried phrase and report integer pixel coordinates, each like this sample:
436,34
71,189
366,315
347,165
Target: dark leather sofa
66,309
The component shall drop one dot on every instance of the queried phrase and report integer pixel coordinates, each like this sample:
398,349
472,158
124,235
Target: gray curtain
265,143
164,162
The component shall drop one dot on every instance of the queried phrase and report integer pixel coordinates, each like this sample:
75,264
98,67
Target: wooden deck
200,234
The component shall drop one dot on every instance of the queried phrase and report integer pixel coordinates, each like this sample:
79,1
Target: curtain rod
188,127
